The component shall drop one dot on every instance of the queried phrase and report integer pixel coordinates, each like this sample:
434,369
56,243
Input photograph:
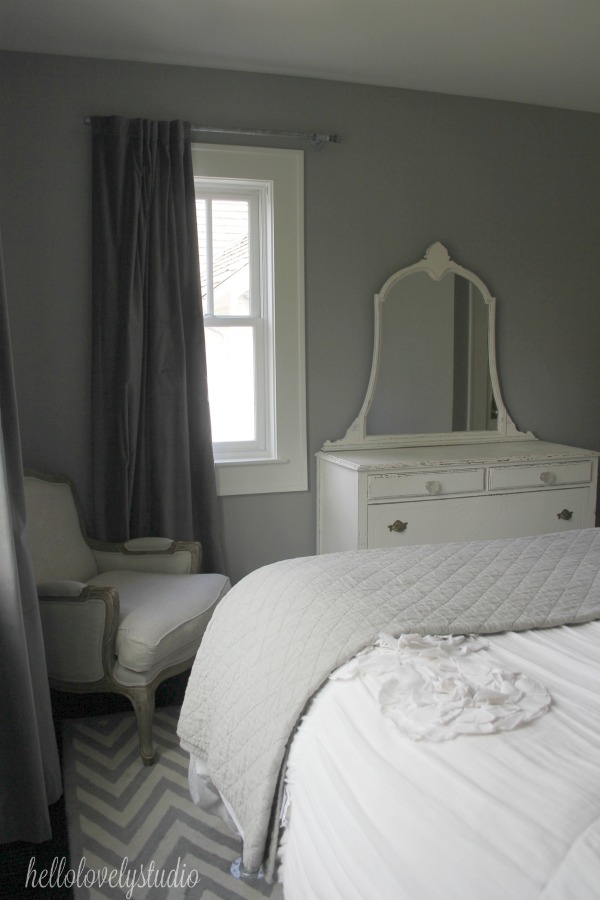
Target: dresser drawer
426,483
545,475
482,517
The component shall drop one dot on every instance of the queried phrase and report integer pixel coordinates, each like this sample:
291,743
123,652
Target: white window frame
258,195
283,467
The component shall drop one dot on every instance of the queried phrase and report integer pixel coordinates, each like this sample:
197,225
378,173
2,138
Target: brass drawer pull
398,526
548,477
565,514
433,487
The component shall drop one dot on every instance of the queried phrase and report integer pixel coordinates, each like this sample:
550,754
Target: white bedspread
376,815
279,633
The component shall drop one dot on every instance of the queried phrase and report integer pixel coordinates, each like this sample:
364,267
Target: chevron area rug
134,831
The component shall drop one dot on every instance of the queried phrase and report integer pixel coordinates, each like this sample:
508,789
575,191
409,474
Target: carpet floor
133,830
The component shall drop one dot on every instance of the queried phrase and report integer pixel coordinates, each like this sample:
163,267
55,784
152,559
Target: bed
302,728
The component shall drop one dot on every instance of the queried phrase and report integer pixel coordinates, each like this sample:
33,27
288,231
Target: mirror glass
434,373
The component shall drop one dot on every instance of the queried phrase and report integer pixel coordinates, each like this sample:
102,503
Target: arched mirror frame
436,263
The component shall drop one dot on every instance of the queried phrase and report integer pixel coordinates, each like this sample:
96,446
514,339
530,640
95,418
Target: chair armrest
72,590
79,625
149,554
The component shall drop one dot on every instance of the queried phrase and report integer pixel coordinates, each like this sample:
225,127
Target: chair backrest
58,547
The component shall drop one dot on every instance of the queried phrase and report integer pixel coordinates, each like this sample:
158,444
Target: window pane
231,273
201,222
230,362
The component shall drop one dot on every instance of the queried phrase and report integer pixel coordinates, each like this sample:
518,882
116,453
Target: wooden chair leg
142,700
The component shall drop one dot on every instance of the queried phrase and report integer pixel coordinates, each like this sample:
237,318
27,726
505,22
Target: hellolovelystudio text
59,875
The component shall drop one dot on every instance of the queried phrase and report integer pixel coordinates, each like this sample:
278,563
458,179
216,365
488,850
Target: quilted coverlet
279,633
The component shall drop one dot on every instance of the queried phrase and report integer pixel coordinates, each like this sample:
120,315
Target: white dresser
433,454
397,497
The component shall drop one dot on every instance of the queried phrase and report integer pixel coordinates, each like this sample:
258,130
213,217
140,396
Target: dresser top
496,453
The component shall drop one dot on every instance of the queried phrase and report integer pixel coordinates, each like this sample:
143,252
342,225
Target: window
249,207
234,234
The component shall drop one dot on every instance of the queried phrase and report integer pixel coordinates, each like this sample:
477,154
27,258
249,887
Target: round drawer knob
398,526
548,477
433,487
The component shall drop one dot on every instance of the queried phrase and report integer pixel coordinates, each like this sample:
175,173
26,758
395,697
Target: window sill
260,476
253,461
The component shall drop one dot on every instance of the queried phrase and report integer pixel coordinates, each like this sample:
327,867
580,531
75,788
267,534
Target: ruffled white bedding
435,688
384,806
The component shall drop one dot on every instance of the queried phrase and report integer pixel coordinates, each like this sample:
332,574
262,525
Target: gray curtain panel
153,463
30,776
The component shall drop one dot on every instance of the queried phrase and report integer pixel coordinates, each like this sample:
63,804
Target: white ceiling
533,51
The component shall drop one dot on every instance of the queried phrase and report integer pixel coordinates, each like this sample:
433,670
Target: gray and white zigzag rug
134,831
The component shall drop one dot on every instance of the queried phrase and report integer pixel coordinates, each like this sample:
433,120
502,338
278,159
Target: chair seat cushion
162,617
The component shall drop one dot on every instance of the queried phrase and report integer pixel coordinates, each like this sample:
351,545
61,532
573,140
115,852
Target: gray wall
512,190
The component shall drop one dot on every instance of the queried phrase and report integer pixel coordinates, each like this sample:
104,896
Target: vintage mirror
433,375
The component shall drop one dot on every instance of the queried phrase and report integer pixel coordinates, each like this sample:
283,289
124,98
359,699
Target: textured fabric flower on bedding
436,688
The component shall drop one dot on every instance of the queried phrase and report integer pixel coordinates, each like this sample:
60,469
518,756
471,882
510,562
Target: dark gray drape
153,463
29,765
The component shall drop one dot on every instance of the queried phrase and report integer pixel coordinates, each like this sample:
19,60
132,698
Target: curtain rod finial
319,140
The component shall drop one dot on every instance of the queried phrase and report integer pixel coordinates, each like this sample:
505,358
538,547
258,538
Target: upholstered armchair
115,617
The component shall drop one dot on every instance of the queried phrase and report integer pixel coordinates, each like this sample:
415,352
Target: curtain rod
315,138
